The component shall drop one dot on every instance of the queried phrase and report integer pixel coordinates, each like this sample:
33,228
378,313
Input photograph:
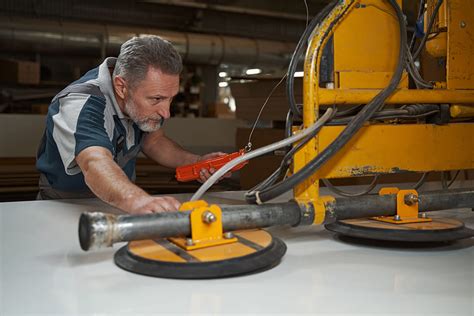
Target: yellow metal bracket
206,227
407,207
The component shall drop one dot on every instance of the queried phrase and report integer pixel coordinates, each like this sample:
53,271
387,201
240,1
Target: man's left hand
205,174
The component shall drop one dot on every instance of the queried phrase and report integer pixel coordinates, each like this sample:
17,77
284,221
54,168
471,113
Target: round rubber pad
255,251
439,230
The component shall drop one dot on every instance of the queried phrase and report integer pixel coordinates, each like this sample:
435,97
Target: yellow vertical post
308,190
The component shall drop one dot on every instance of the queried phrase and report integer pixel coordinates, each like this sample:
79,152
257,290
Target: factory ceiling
281,20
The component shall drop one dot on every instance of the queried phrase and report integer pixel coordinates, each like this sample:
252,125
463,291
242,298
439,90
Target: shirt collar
106,84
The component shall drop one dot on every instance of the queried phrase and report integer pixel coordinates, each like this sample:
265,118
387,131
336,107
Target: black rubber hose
351,129
421,9
290,79
288,123
428,30
287,159
366,190
390,114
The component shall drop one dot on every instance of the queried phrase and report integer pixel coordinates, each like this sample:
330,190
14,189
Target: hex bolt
411,199
228,235
397,217
463,24
189,242
422,215
208,217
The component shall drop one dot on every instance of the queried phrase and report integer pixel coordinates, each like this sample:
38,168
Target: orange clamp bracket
191,172
206,227
407,207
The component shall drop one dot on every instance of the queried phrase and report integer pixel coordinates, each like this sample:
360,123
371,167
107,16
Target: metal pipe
99,229
385,205
401,96
60,37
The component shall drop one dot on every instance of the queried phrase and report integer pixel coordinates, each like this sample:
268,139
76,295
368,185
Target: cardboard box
220,110
40,108
250,97
19,71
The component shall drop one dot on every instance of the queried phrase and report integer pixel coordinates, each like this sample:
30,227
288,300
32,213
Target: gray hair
139,53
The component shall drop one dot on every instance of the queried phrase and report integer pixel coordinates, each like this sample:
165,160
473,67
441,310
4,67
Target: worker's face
148,104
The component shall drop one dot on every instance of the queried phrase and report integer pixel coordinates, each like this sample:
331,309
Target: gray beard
147,125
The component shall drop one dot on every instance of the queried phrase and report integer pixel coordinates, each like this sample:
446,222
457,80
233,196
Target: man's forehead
157,82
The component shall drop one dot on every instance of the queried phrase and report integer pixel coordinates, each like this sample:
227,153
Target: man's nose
164,111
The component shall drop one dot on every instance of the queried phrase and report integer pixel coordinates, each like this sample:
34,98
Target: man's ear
120,87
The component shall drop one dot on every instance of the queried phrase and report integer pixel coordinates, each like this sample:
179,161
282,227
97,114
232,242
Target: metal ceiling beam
228,9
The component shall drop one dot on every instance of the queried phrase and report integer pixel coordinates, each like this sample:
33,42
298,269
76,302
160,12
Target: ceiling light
253,71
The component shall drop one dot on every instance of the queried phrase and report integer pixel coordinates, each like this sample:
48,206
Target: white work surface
44,271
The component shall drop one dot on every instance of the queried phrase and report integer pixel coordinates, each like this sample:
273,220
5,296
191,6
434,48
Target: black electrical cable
351,129
421,10
454,178
415,74
287,159
288,123
385,116
336,190
349,111
421,181
428,29
444,182
290,79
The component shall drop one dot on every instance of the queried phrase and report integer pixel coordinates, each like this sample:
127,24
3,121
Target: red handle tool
191,172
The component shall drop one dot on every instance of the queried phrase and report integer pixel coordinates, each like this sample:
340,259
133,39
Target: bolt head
422,215
228,235
189,242
330,85
463,24
411,199
208,217
397,217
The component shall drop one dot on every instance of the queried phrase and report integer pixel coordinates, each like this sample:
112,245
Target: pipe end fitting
96,230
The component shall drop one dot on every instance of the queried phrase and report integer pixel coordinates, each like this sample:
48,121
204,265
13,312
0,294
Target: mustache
158,119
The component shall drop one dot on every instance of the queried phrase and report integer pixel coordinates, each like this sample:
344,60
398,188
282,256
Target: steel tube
100,229
385,205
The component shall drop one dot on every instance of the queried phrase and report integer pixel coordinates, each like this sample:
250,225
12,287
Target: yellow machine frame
385,148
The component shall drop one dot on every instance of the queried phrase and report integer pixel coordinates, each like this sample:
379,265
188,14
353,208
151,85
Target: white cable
249,142
307,12
260,151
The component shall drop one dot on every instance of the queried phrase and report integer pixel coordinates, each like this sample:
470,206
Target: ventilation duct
59,37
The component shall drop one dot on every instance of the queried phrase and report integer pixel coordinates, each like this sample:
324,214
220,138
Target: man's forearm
168,153
109,183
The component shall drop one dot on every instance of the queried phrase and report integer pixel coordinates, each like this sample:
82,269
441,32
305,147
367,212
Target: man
97,125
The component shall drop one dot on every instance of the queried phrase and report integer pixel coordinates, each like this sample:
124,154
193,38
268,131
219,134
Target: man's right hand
108,182
150,204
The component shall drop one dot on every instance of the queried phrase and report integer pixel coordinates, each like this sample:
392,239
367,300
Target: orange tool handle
191,172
